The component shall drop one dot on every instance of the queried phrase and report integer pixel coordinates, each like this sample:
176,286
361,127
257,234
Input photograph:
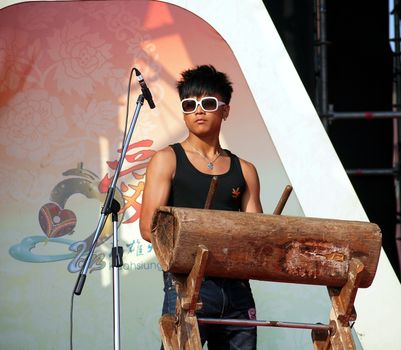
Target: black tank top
190,186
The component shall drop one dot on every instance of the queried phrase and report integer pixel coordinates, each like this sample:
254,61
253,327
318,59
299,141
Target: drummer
180,176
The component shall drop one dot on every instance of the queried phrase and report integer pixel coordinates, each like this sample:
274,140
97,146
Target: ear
226,112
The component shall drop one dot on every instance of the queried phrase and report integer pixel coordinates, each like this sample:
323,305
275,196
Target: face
204,114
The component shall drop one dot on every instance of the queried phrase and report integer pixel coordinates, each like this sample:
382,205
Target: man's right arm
159,174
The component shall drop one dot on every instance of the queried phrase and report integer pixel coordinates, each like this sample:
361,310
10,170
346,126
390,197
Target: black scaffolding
329,115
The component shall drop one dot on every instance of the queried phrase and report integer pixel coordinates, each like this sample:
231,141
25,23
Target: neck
206,147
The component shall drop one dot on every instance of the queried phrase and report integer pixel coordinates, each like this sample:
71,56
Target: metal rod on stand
237,322
117,261
111,206
323,63
397,126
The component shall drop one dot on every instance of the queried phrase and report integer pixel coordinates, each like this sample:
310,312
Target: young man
180,176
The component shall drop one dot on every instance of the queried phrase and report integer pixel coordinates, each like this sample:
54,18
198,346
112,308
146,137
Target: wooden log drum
265,247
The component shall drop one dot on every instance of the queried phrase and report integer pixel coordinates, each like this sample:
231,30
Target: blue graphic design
57,221
23,250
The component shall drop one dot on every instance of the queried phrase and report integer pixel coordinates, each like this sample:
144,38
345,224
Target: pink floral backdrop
64,73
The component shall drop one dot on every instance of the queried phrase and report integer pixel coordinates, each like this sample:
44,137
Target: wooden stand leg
321,340
181,332
168,332
342,312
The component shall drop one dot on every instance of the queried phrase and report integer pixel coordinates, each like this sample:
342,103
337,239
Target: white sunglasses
207,103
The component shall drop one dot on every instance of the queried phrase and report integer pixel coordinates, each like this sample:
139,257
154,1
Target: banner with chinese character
64,74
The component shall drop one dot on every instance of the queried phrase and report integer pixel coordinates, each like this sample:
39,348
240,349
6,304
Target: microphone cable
71,318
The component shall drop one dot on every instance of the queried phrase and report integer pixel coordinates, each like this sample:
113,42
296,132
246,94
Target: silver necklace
210,164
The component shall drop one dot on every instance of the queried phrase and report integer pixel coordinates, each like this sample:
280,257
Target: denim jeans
221,298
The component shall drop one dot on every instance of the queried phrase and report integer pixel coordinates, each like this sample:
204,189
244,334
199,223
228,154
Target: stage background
64,69
356,82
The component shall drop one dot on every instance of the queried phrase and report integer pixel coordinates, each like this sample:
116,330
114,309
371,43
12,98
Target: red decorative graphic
236,192
131,202
55,221
142,156
142,159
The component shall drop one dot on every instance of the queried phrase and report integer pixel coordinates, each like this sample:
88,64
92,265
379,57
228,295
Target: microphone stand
117,260
111,206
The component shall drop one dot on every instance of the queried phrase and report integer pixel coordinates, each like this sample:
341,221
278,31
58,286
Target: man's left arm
251,198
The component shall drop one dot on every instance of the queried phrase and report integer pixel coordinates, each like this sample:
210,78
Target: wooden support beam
188,290
181,332
343,299
188,333
321,340
342,312
168,332
342,338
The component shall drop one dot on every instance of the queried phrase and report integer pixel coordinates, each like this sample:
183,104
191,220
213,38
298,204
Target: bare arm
251,198
159,174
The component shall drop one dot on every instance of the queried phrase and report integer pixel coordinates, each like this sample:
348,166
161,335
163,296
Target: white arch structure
313,168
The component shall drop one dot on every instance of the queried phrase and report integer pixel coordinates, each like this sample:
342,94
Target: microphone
145,90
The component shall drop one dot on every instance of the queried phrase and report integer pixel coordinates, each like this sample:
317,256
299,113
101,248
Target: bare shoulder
248,169
163,161
251,199
166,154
